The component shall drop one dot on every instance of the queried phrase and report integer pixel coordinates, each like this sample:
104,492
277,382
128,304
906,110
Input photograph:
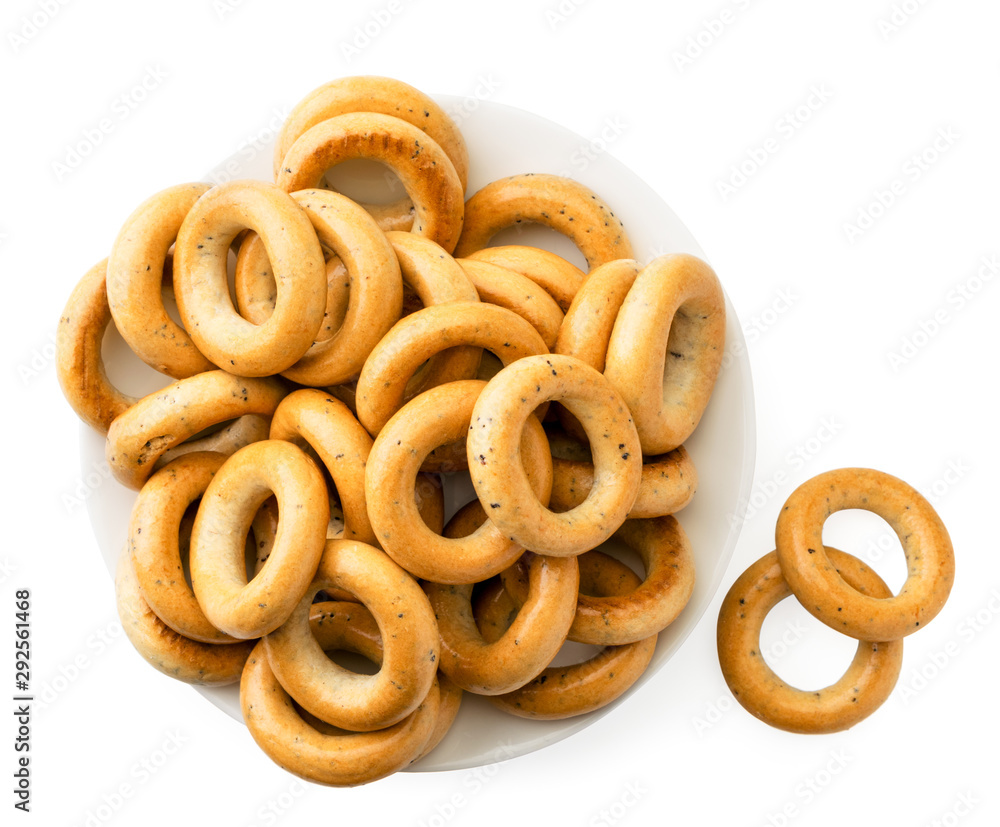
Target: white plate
505,141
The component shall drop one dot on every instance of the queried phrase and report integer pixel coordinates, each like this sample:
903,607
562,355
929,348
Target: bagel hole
167,294
489,366
184,539
344,655
870,538
336,526
484,591
457,493
250,548
806,653
428,497
231,267
613,547
319,725
572,653
447,459
257,549
411,301
125,370
170,305
563,444
681,365
365,181
353,662
529,234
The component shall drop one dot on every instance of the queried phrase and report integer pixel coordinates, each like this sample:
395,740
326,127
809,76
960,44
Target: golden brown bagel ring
563,204
429,495
668,483
435,278
227,440
135,283
528,646
386,96
187,660
343,625
158,422
506,288
257,291
361,703
312,418
586,330
350,626
626,616
450,702
375,294
335,760
587,327
493,449
422,166
565,691
417,337
79,365
438,417
427,492
201,283
153,543
812,578
863,688
218,570
675,310
559,278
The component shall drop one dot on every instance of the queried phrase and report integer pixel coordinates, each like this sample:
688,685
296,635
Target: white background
825,310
